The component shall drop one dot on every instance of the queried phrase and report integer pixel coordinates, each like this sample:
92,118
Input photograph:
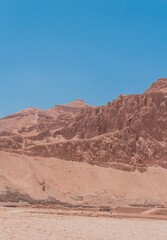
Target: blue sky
54,51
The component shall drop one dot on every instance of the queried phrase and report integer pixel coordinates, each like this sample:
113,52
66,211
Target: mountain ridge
128,133
75,154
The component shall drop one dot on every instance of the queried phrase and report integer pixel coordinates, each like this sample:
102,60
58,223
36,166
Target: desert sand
20,224
81,183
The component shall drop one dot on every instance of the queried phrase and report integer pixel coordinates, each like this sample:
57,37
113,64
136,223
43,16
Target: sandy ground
16,224
81,183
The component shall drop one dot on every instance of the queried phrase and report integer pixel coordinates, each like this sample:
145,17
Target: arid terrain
75,167
47,225
53,180
76,154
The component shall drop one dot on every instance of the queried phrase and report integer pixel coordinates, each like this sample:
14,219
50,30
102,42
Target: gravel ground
17,225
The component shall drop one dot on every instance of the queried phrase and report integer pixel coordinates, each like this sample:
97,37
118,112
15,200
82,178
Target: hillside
79,154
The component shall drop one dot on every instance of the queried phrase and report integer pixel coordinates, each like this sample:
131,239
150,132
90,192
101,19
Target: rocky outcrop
129,133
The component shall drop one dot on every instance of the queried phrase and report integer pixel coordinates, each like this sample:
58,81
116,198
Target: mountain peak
159,85
78,103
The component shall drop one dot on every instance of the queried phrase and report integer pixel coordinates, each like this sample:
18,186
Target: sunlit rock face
129,133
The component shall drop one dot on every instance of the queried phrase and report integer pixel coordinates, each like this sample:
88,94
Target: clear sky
54,51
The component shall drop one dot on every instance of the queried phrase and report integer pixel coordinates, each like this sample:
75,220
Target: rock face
129,133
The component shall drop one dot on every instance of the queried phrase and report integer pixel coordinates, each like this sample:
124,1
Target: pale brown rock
129,133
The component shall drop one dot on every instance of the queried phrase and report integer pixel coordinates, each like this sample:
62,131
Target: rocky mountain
128,134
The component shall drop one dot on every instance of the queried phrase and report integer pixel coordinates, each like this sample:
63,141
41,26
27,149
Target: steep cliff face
129,133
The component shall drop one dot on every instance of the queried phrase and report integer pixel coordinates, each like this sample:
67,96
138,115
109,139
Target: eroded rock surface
129,133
